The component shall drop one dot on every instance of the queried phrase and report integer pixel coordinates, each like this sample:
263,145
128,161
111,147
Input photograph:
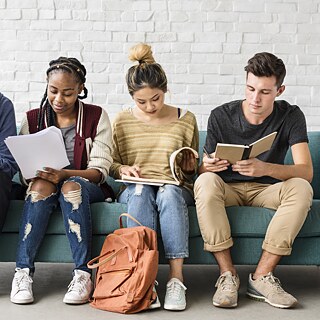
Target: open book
35,151
160,182
236,152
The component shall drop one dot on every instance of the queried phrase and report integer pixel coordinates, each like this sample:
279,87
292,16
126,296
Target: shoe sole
26,301
66,301
173,307
155,305
264,299
224,305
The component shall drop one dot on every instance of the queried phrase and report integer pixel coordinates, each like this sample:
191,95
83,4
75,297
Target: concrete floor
51,280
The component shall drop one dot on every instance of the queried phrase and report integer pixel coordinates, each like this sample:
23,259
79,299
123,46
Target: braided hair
62,64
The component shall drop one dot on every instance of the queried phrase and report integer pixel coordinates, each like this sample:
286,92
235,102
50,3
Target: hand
188,161
133,171
52,175
252,167
214,164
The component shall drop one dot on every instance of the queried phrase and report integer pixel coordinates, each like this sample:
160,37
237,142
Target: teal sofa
248,226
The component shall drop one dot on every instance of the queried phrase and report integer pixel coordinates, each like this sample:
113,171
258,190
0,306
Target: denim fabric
166,204
36,215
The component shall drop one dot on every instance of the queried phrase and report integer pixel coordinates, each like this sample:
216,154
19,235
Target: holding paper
35,151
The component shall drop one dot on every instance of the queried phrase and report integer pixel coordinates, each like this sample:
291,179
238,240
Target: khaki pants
291,199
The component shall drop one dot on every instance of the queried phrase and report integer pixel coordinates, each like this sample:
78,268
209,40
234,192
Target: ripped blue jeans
75,207
168,204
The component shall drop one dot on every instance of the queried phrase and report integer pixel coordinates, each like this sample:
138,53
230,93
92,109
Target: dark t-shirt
69,137
227,124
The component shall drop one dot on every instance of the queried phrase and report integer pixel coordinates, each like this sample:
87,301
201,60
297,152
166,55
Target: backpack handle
92,265
128,216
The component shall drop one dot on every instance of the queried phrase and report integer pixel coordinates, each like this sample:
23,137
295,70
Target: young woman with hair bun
86,131
143,139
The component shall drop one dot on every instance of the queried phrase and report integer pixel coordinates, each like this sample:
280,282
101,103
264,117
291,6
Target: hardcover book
236,152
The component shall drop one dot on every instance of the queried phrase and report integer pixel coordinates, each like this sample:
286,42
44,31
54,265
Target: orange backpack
126,270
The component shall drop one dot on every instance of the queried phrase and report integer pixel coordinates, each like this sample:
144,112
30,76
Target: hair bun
141,53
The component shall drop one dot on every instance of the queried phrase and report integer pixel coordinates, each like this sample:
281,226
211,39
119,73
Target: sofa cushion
105,218
314,143
244,221
253,222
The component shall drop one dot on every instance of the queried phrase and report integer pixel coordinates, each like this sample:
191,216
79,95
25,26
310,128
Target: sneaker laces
274,281
77,284
174,289
22,280
227,283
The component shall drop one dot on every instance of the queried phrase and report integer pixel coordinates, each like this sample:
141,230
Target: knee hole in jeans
71,192
40,190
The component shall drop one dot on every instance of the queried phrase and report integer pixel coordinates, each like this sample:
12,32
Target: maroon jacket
87,121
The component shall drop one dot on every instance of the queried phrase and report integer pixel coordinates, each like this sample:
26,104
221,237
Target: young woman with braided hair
143,139
87,136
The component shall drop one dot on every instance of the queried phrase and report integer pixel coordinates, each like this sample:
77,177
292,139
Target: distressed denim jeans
75,207
167,204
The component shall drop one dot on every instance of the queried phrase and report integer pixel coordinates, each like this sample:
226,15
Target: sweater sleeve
194,145
195,139
117,162
24,127
100,155
7,128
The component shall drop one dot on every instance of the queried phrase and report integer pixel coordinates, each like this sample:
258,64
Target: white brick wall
202,44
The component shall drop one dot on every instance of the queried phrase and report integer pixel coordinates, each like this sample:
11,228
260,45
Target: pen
207,153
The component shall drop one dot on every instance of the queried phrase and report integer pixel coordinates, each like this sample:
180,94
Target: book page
173,161
230,152
262,145
35,151
160,182
138,180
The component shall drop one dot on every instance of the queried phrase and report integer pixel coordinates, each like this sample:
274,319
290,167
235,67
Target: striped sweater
150,146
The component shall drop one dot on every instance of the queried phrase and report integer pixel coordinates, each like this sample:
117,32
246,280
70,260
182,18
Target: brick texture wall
202,45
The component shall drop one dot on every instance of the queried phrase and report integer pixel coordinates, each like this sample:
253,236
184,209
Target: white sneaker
175,298
156,302
79,289
21,292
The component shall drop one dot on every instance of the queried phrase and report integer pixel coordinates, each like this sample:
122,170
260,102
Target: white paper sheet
35,151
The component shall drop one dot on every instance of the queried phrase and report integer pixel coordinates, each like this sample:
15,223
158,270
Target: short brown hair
265,64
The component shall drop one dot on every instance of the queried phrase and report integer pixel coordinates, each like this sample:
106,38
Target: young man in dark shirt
263,181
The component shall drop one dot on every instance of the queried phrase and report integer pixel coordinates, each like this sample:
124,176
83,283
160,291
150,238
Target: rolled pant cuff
276,250
218,247
177,256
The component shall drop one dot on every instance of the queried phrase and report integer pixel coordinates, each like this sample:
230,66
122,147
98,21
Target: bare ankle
232,270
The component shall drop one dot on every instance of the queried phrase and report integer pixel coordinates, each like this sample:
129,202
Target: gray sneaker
175,298
226,295
268,289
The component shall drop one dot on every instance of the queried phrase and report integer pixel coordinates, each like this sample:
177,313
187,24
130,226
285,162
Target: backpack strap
92,265
128,216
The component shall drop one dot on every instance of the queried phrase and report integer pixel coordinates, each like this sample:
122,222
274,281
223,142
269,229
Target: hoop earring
85,95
